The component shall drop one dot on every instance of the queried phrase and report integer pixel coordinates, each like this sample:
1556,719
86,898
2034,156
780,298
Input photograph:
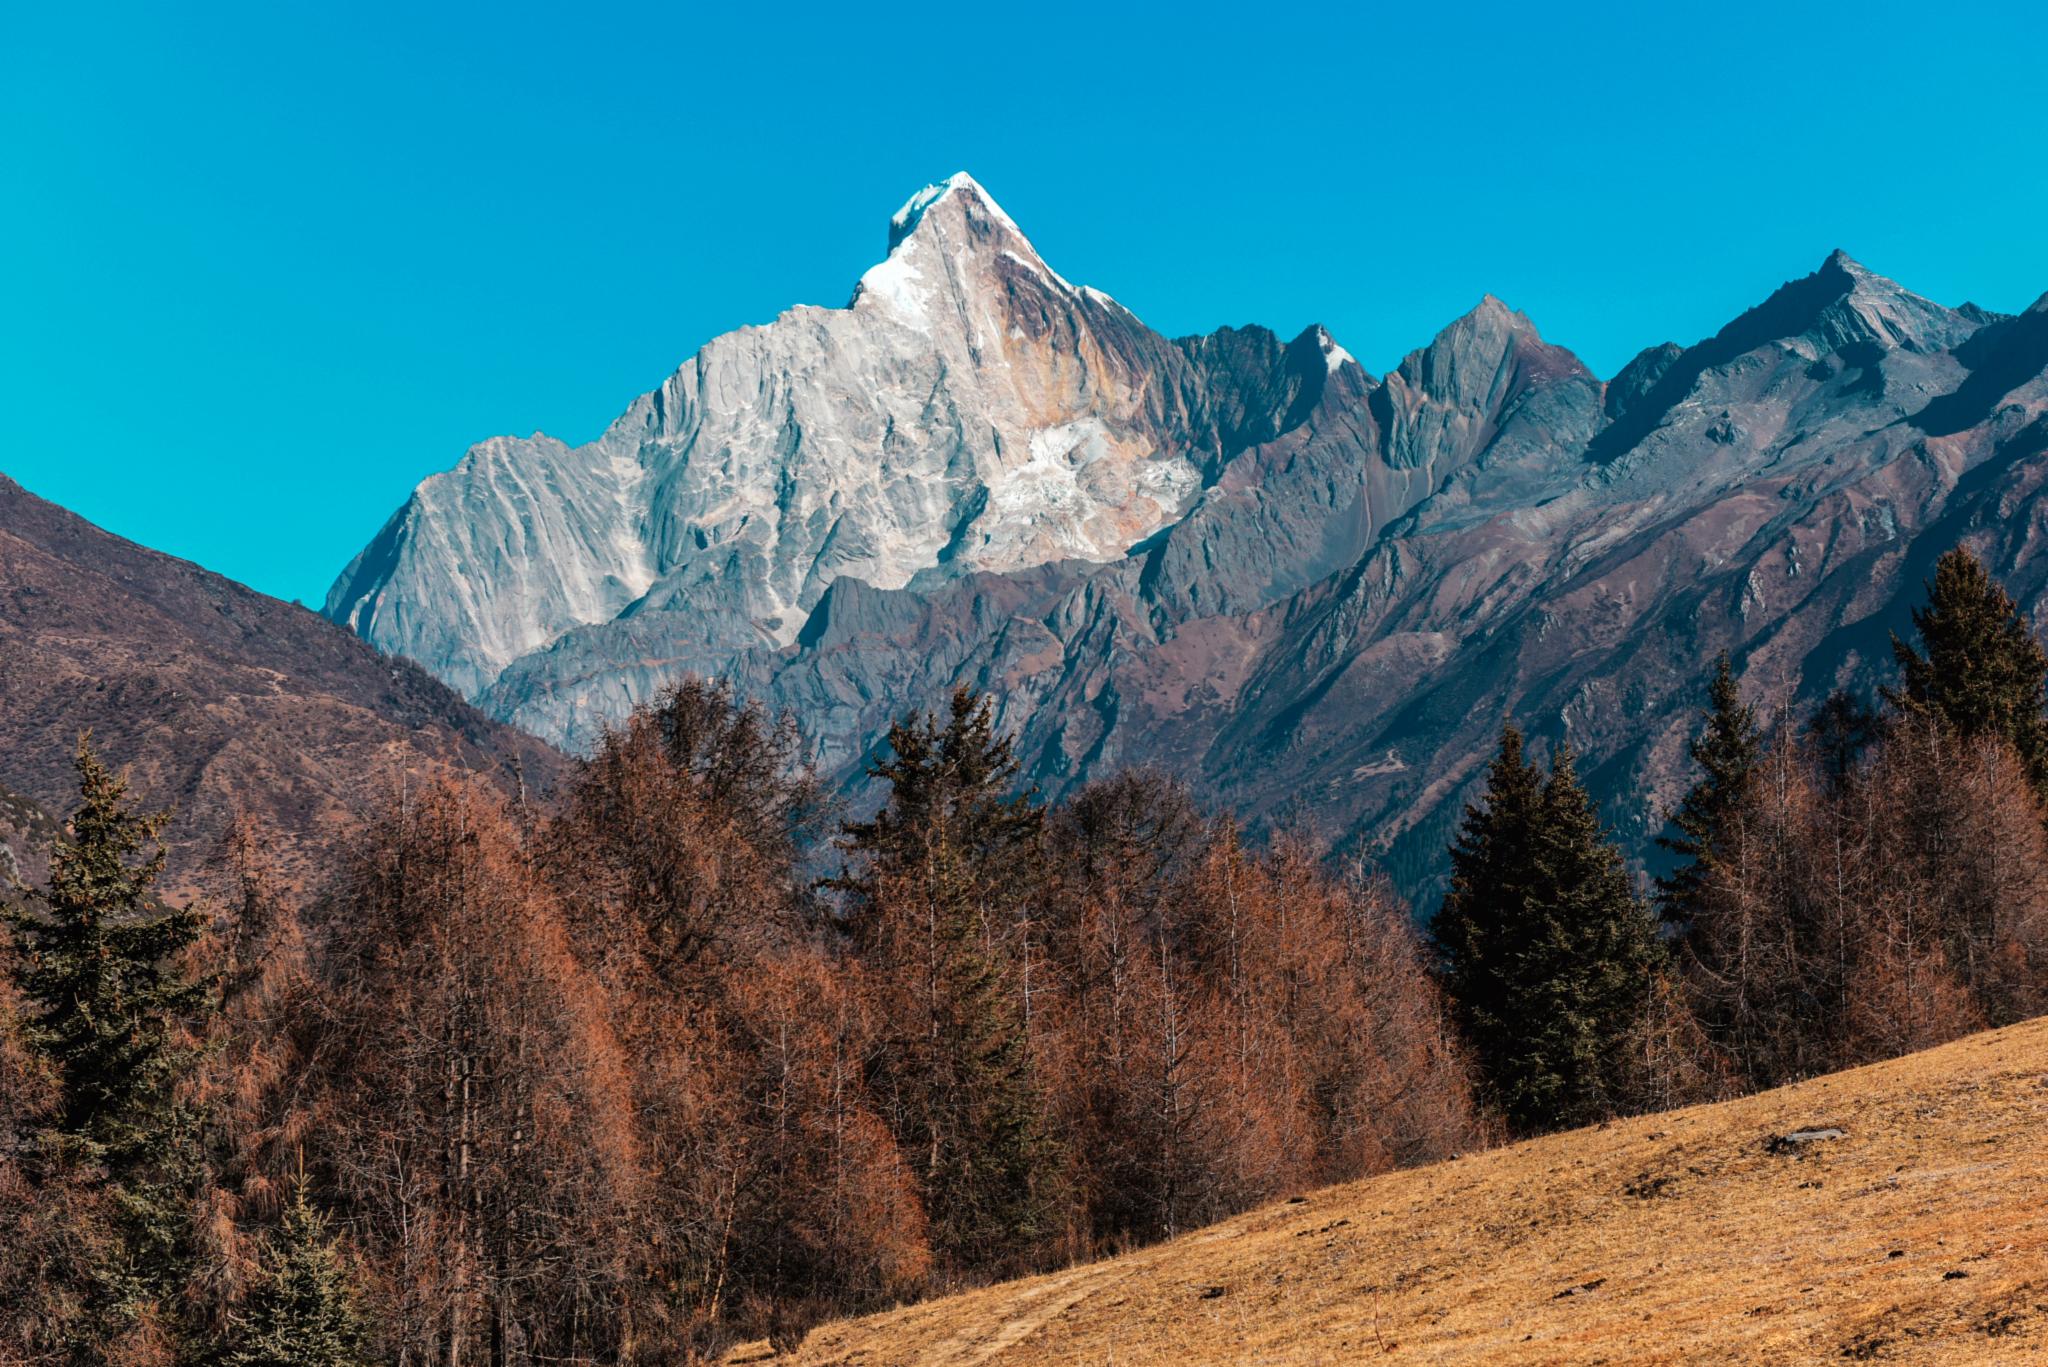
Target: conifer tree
1982,673
304,1311
1547,953
1478,929
1726,753
108,1008
1588,969
954,785
940,901
1841,729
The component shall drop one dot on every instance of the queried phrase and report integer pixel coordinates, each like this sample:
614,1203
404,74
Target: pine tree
1588,970
940,901
304,1312
1478,931
987,1145
108,1010
1726,753
1547,954
955,785
1983,673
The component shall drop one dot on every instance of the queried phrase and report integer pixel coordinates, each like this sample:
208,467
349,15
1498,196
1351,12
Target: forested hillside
683,1055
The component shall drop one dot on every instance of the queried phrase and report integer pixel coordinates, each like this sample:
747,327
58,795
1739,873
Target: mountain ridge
1334,584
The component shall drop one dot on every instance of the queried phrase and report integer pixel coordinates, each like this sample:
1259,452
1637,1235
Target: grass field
1919,1235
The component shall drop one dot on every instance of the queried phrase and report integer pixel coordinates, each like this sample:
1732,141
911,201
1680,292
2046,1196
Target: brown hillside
1920,1235
208,693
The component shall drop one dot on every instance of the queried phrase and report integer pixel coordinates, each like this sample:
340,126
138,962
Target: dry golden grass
1920,1236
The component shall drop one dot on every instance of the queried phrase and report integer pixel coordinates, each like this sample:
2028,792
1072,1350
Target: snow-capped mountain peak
949,242
968,410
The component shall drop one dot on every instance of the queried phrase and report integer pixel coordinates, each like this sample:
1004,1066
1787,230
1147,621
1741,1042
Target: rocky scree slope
1303,587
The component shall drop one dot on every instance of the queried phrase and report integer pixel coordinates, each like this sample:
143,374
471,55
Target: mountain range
1243,559
1313,592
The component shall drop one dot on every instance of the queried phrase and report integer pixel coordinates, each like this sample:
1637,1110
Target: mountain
1311,591
968,410
209,695
1908,1234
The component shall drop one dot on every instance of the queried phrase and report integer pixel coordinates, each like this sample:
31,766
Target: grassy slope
1698,1245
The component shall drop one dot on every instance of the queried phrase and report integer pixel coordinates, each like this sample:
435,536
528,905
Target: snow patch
1049,481
896,284
1334,356
905,220
1051,495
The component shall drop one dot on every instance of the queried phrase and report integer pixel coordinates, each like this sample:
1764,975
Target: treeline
1846,887
623,1081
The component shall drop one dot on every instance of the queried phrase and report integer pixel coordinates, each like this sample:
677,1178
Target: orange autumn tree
778,1188
484,1135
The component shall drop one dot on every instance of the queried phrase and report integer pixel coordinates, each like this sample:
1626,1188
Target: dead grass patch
1677,1238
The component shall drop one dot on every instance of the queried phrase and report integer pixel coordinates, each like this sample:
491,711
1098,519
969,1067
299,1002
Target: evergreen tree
1478,931
1587,972
940,903
1547,954
1982,673
304,1312
1841,729
1726,752
108,1010
951,785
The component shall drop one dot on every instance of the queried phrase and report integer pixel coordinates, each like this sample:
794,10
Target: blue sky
264,267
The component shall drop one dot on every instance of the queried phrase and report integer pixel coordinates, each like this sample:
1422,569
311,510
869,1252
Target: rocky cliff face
1244,560
969,410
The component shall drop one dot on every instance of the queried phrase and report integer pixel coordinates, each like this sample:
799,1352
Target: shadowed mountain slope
208,694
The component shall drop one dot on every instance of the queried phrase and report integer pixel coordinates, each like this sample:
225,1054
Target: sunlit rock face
1247,561
968,410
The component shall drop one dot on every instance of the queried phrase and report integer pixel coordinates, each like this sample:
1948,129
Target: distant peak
906,220
1841,267
1491,312
1491,318
953,220
1478,343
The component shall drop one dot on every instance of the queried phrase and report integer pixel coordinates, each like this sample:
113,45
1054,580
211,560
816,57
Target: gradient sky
265,267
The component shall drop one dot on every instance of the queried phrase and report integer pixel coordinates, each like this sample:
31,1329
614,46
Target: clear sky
263,267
